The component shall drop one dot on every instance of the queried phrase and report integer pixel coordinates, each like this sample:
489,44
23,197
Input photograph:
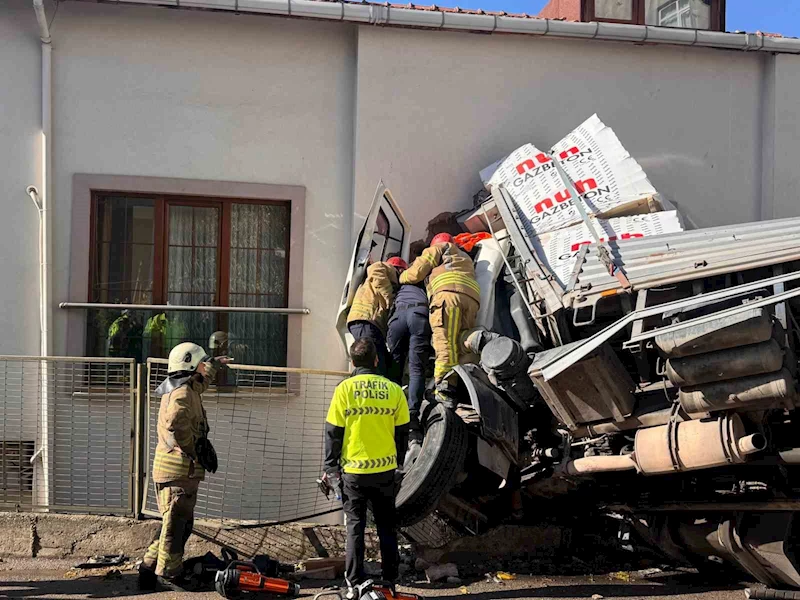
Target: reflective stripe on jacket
181,421
374,297
368,407
447,269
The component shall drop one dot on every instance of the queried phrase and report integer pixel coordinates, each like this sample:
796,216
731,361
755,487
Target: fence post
140,408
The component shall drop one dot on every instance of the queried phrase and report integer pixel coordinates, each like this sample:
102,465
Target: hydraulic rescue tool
241,576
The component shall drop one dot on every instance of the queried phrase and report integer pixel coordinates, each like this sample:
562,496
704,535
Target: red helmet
441,238
397,263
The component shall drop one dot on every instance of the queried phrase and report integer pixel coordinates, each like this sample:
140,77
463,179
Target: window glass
687,14
123,267
258,275
620,10
194,269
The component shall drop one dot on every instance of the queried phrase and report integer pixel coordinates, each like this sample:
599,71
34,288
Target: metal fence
267,427
67,434
79,435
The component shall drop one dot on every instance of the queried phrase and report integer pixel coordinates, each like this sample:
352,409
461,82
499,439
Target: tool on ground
241,576
369,590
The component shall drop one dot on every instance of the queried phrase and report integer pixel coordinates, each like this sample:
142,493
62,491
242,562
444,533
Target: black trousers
365,329
377,490
410,337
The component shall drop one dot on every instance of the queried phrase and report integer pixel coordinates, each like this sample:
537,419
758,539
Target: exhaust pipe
600,464
692,445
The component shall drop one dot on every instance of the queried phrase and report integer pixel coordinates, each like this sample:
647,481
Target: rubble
441,572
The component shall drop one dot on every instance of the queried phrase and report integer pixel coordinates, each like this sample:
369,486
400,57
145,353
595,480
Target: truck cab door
385,234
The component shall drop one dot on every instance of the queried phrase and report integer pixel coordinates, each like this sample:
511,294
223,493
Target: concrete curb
47,535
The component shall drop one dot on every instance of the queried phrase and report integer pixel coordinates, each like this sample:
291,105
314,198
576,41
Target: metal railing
267,427
79,435
67,434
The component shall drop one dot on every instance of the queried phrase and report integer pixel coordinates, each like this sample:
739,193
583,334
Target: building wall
20,161
435,108
200,95
335,107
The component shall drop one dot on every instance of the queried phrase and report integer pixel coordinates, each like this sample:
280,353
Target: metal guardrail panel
670,258
267,427
66,439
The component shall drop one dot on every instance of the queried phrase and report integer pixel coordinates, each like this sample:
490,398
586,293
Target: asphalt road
33,579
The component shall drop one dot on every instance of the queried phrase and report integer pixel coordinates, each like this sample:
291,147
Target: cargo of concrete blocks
645,369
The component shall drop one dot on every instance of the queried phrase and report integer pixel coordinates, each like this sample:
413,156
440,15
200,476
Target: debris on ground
597,597
503,576
621,576
454,580
421,564
441,572
104,560
323,568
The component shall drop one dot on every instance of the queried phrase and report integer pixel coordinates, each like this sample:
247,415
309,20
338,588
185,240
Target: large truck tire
440,461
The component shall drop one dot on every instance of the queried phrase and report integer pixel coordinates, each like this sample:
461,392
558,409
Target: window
686,14
188,251
616,10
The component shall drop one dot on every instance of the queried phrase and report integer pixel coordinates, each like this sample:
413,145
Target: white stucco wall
20,162
435,108
334,107
141,91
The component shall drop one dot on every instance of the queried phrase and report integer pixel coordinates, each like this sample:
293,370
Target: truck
658,384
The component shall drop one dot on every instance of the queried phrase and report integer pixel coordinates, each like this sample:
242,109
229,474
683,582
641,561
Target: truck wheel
440,461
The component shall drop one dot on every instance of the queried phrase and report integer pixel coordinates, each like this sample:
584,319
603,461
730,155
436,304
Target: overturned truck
657,381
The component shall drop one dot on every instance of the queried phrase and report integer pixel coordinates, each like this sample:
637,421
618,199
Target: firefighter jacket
367,425
374,297
447,268
181,421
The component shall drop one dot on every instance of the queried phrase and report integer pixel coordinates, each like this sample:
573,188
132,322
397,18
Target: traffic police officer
372,302
365,437
180,461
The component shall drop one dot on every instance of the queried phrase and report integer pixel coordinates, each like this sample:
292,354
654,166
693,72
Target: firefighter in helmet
183,454
454,298
369,314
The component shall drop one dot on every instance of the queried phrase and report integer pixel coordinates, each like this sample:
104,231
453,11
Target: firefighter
369,313
183,454
409,337
365,443
454,297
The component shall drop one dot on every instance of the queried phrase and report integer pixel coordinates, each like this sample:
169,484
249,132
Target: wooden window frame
717,22
84,184
162,202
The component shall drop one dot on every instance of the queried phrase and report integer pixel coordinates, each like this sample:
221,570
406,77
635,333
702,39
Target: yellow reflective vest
368,407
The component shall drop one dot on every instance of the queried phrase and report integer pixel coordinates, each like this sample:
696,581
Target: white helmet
185,357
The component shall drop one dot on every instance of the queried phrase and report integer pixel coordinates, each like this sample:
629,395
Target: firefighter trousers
176,501
452,319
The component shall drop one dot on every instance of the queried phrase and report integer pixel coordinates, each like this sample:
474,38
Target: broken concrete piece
421,564
454,580
324,568
440,572
324,573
